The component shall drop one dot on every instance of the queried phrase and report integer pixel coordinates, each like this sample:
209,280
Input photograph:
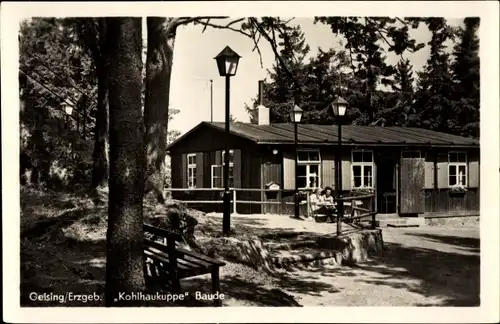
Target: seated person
328,198
323,205
316,199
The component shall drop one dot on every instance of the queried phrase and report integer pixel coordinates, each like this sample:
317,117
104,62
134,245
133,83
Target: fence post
234,201
308,203
374,225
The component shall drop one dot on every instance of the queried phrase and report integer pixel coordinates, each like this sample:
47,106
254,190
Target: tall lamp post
68,109
339,107
227,63
295,117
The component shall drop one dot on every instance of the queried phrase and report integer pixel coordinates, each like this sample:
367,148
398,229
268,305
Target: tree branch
200,21
256,45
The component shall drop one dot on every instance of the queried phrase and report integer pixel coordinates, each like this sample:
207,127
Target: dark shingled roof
282,133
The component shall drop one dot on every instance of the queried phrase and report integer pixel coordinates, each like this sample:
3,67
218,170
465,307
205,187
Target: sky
194,66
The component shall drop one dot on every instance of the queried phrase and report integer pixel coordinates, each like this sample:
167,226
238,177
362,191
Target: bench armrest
162,232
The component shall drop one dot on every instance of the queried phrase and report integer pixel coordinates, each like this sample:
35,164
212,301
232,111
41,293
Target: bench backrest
169,239
163,233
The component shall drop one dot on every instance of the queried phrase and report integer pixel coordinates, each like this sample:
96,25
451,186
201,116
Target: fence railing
279,201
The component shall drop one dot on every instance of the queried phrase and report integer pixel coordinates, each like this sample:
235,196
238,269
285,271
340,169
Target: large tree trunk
158,72
101,146
124,265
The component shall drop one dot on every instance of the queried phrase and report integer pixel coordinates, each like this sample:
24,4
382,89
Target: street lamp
68,109
227,63
339,107
295,117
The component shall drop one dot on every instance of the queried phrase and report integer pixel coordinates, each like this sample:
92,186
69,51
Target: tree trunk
101,146
124,265
158,72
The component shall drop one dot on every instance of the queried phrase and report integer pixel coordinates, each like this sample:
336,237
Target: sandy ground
423,266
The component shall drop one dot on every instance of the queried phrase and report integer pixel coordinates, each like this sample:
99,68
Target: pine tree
401,113
434,102
281,92
157,97
124,239
364,38
466,73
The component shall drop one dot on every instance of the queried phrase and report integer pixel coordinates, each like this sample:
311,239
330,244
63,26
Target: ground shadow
253,294
69,266
452,278
469,244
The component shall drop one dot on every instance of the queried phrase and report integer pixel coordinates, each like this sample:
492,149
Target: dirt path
424,266
421,267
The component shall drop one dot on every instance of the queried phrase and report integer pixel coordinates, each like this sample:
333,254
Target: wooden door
412,184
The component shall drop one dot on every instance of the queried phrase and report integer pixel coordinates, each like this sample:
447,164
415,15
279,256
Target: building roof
283,133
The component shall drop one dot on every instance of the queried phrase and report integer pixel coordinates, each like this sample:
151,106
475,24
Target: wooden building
412,171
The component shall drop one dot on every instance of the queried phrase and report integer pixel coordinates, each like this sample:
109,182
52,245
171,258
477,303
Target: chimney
262,111
263,115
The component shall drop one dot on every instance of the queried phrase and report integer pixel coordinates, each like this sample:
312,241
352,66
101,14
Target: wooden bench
166,264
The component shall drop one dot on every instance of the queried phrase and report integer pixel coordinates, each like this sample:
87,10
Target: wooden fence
353,210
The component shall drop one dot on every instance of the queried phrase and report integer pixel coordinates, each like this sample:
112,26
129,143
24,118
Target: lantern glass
68,109
227,62
296,114
339,107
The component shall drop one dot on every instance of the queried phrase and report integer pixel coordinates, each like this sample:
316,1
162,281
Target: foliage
466,74
54,72
444,96
364,39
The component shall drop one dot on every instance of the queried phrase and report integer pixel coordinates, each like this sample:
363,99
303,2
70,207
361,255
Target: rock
355,247
247,250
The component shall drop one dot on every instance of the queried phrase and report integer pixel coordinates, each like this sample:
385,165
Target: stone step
402,222
404,225
283,259
290,245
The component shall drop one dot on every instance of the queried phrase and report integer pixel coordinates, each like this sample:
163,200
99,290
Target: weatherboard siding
258,166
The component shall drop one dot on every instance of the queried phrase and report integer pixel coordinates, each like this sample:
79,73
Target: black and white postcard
250,161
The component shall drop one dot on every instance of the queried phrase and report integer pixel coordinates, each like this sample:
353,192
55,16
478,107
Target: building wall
257,166
246,173
434,192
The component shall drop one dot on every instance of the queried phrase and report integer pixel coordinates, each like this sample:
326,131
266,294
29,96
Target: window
218,171
191,170
457,169
308,169
362,169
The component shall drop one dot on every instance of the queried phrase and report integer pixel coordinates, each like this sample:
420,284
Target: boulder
247,250
355,247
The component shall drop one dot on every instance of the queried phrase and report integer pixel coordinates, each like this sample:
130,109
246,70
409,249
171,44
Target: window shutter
288,171
218,157
237,168
473,171
328,169
346,172
394,176
199,170
207,169
442,170
184,170
429,175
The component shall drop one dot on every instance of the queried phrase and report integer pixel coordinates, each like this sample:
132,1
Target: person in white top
316,199
328,198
